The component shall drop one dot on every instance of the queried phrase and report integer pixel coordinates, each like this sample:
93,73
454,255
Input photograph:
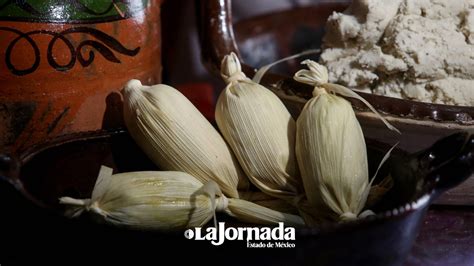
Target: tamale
165,200
260,131
330,149
177,137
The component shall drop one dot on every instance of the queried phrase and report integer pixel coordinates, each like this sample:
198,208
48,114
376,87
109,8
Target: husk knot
222,203
347,216
317,74
231,70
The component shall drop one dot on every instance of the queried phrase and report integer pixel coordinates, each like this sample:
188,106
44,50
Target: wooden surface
446,238
460,195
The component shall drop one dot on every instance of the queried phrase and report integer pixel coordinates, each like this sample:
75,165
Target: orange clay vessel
62,64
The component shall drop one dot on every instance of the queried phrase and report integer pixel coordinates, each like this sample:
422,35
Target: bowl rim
408,111
14,178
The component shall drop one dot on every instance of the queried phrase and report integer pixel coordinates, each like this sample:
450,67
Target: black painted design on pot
103,44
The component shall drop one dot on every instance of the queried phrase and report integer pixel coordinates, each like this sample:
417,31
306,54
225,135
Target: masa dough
412,49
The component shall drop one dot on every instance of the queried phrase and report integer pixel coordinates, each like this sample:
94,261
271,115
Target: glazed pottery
62,64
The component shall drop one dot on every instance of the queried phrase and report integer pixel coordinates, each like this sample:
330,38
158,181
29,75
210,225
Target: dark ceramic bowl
265,39
31,182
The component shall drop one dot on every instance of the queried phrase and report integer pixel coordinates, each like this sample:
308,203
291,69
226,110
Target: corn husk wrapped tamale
177,137
165,200
330,149
260,131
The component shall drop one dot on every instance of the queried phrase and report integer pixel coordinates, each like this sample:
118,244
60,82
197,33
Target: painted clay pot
63,63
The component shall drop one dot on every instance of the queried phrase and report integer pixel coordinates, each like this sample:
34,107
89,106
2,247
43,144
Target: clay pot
62,64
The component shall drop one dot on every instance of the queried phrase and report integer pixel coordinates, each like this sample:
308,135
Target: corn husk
268,201
260,131
165,200
177,137
332,155
379,190
331,150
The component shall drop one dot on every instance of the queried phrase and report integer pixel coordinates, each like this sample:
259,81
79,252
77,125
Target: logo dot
189,234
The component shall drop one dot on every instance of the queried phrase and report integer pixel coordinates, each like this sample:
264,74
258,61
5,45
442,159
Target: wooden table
446,238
